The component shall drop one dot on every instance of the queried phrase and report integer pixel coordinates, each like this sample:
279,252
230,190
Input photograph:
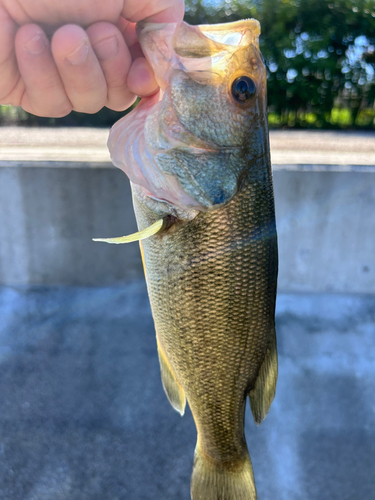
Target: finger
8,63
44,92
128,31
156,11
141,79
55,14
115,61
79,69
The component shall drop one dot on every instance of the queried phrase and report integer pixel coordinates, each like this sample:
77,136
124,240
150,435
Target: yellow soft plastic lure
140,235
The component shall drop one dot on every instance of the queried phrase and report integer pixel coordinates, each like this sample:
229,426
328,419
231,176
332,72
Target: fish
198,158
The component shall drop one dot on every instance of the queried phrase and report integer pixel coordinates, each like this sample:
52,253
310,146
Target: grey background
325,219
83,415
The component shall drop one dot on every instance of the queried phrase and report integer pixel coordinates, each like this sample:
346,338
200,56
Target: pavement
89,145
83,415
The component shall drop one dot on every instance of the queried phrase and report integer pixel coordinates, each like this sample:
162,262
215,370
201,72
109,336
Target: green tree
320,56
319,53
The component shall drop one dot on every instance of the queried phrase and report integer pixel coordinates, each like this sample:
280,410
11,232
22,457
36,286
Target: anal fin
172,388
263,392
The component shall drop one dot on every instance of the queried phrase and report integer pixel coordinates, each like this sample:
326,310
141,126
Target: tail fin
210,482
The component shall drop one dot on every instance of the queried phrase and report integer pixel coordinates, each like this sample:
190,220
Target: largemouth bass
197,155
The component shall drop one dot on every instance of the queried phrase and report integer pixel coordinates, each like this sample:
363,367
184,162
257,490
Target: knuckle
117,84
89,99
44,111
89,107
120,101
60,113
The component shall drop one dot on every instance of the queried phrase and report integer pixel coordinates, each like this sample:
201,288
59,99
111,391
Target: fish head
192,144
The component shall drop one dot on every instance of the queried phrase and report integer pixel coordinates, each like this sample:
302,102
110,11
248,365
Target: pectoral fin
263,392
156,227
172,388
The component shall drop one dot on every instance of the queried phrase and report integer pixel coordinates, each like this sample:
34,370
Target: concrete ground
288,147
83,415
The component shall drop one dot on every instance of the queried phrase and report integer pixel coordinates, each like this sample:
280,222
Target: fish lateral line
155,228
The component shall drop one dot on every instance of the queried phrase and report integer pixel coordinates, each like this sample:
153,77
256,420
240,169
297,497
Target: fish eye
243,89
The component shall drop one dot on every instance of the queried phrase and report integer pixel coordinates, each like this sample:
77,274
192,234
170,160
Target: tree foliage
320,58
319,55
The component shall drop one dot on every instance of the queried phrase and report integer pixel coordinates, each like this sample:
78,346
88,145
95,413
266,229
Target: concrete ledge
90,145
48,219
326,227
53,164
321,167
300,167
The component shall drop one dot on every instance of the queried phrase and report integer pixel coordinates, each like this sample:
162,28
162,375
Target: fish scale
196,306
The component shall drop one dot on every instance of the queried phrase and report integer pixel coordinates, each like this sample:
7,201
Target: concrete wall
48,215
326,229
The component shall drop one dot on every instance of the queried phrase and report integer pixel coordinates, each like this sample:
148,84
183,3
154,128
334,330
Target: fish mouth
151,144
130,152
167,169
195,49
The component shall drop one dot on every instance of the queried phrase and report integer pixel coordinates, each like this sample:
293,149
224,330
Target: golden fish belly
212,286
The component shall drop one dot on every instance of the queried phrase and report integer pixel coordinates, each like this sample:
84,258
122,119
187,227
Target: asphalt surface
83,415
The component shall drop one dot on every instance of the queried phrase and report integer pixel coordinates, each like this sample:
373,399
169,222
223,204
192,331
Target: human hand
50,66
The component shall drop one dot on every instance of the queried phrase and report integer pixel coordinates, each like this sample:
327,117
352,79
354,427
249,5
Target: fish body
198,158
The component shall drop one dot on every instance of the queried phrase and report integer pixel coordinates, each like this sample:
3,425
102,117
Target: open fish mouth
171,149
131,152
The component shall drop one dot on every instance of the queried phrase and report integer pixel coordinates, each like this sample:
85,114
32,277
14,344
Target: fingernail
36,45
79,55
107,48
